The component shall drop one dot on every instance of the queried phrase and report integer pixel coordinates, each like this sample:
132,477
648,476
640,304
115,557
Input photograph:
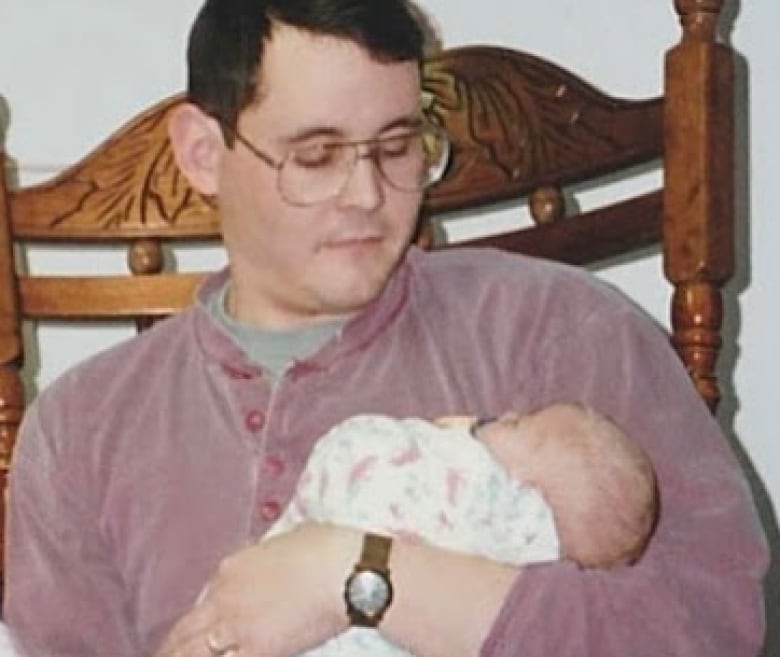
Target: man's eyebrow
310,133
305,134
411,121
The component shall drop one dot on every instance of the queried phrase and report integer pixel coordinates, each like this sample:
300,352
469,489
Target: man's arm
62,598
446,602
283,596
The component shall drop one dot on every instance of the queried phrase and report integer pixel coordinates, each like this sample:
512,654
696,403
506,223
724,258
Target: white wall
72,71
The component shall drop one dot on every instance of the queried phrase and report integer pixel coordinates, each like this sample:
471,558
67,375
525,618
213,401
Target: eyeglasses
409,161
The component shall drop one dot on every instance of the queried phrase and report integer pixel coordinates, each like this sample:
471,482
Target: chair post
11,388
145,257
698,217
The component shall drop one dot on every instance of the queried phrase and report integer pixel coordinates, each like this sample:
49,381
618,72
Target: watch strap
375,554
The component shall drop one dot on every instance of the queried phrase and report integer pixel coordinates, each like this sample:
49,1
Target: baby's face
514,441
555,426
520,442
507,426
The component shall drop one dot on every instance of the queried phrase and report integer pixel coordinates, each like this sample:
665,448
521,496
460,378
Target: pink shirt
139,470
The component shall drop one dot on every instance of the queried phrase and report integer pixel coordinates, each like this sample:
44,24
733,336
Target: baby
563,482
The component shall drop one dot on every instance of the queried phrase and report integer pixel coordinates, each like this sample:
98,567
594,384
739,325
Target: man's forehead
310,82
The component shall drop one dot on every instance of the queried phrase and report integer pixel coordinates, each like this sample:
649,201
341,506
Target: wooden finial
547,205
699,18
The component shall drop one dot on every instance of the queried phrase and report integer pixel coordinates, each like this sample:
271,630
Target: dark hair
228,37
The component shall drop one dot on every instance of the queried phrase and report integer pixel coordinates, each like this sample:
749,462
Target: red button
254,420
270,510
274,465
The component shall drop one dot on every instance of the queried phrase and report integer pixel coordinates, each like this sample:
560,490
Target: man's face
294,265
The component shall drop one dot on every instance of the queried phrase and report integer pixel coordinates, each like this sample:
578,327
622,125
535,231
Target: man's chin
353,301
353,294
355,281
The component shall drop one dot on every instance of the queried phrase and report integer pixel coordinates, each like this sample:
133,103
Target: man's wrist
332,556
368,590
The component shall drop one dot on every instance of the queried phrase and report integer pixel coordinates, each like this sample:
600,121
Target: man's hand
276,598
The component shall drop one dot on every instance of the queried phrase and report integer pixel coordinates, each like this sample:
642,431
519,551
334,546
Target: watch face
368,592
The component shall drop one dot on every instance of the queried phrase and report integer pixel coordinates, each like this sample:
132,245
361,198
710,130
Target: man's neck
271,348
274,320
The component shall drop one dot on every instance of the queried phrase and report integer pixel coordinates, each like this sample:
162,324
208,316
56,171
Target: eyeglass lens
409,161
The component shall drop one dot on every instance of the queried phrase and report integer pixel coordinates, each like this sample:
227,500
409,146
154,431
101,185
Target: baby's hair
606,502
627,499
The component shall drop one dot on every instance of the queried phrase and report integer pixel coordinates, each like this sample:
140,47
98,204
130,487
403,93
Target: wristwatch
368,591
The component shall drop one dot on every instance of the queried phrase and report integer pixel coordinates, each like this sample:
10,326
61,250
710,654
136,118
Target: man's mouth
352,241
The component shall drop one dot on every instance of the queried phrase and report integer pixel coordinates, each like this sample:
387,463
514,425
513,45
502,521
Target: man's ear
197,146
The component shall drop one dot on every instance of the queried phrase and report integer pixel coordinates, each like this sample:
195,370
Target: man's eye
313,157
397,146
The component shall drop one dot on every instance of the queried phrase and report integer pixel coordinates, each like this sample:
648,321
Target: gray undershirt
274,351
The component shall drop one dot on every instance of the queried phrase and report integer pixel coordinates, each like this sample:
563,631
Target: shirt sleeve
698,588
56,567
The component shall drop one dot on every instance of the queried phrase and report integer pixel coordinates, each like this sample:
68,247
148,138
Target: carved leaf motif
518,122
130,184
487,122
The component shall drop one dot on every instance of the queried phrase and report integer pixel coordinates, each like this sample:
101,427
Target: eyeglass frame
372,143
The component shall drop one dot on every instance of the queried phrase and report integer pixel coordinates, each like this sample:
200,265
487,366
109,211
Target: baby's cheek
525,461
505,450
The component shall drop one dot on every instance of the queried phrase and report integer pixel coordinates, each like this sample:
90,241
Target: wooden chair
522,127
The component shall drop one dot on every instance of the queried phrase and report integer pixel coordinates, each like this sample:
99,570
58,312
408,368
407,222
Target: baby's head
599,483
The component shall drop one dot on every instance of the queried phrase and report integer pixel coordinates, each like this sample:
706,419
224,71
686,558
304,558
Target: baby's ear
463,422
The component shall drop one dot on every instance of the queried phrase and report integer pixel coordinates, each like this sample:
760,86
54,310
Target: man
149,472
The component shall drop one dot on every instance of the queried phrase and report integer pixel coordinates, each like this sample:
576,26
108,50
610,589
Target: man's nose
364,188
